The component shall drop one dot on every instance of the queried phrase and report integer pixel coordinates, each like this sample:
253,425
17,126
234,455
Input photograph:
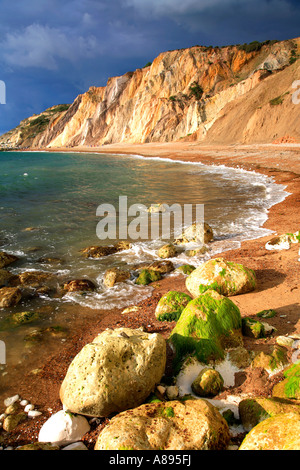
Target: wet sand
278,275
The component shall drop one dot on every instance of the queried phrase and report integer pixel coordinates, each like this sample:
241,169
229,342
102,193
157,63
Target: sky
53,50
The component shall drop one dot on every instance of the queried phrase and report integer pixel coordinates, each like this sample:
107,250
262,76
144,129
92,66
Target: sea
49,208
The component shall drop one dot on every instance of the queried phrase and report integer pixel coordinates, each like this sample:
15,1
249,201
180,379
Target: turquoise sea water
48,204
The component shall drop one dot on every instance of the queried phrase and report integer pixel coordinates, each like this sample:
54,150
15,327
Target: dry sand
278,275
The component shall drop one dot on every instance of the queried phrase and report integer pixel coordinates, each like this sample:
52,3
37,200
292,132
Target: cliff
233,94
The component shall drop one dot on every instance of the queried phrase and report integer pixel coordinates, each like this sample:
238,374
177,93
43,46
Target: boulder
6,278
115,275
79,285
289,388
167,251
208,383
100,251
115,372
186,269
225,277
172,425
6,259
207,326
273,361
9,297
147,276
171,305
34,279
63,428
254,410
163,267
253,328
198,233
280,432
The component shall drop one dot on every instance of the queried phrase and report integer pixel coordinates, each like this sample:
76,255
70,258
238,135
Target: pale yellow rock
172,425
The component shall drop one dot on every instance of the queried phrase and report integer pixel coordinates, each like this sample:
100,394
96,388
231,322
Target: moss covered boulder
186,269
280,432
253,328
252,411
225,277
208,383
207,326
289,388
147,276
171,305
172,425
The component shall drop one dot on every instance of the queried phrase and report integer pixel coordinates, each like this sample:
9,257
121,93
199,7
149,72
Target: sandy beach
278,275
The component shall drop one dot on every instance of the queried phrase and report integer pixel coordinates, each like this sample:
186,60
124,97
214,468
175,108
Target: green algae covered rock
186,269
167,251
208,383
225,277
252,411
271,362
280,432
147,276
18,319
171,305
173,425
207,326
253,328
289,388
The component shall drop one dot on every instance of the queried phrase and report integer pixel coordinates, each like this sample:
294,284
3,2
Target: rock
34,279
289,388
163,267
172,392
12,421
115,372
6,259
253,328
147,276
171,305
38,446
285,341
196,251
172,425
11,400
225,277
239,357
254,410
208,383
271,362
186,269
79,285
100,251
33,413
9,297
207,326
18,319
280,432
198,233
64,428
270,313
114,275
155,208
167,251
6,278
76,446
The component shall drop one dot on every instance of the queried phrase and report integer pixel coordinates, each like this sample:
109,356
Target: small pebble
24,402
11,400
34,413
28,408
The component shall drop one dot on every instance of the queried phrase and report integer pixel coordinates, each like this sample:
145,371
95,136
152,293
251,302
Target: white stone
11,400
34,414
64,428
76,446
24,402
28,408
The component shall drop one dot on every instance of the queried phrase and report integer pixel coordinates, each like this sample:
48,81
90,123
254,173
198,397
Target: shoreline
277,272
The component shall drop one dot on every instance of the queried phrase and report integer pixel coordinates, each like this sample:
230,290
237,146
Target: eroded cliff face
196,93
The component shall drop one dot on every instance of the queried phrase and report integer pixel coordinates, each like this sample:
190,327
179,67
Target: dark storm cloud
50,50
